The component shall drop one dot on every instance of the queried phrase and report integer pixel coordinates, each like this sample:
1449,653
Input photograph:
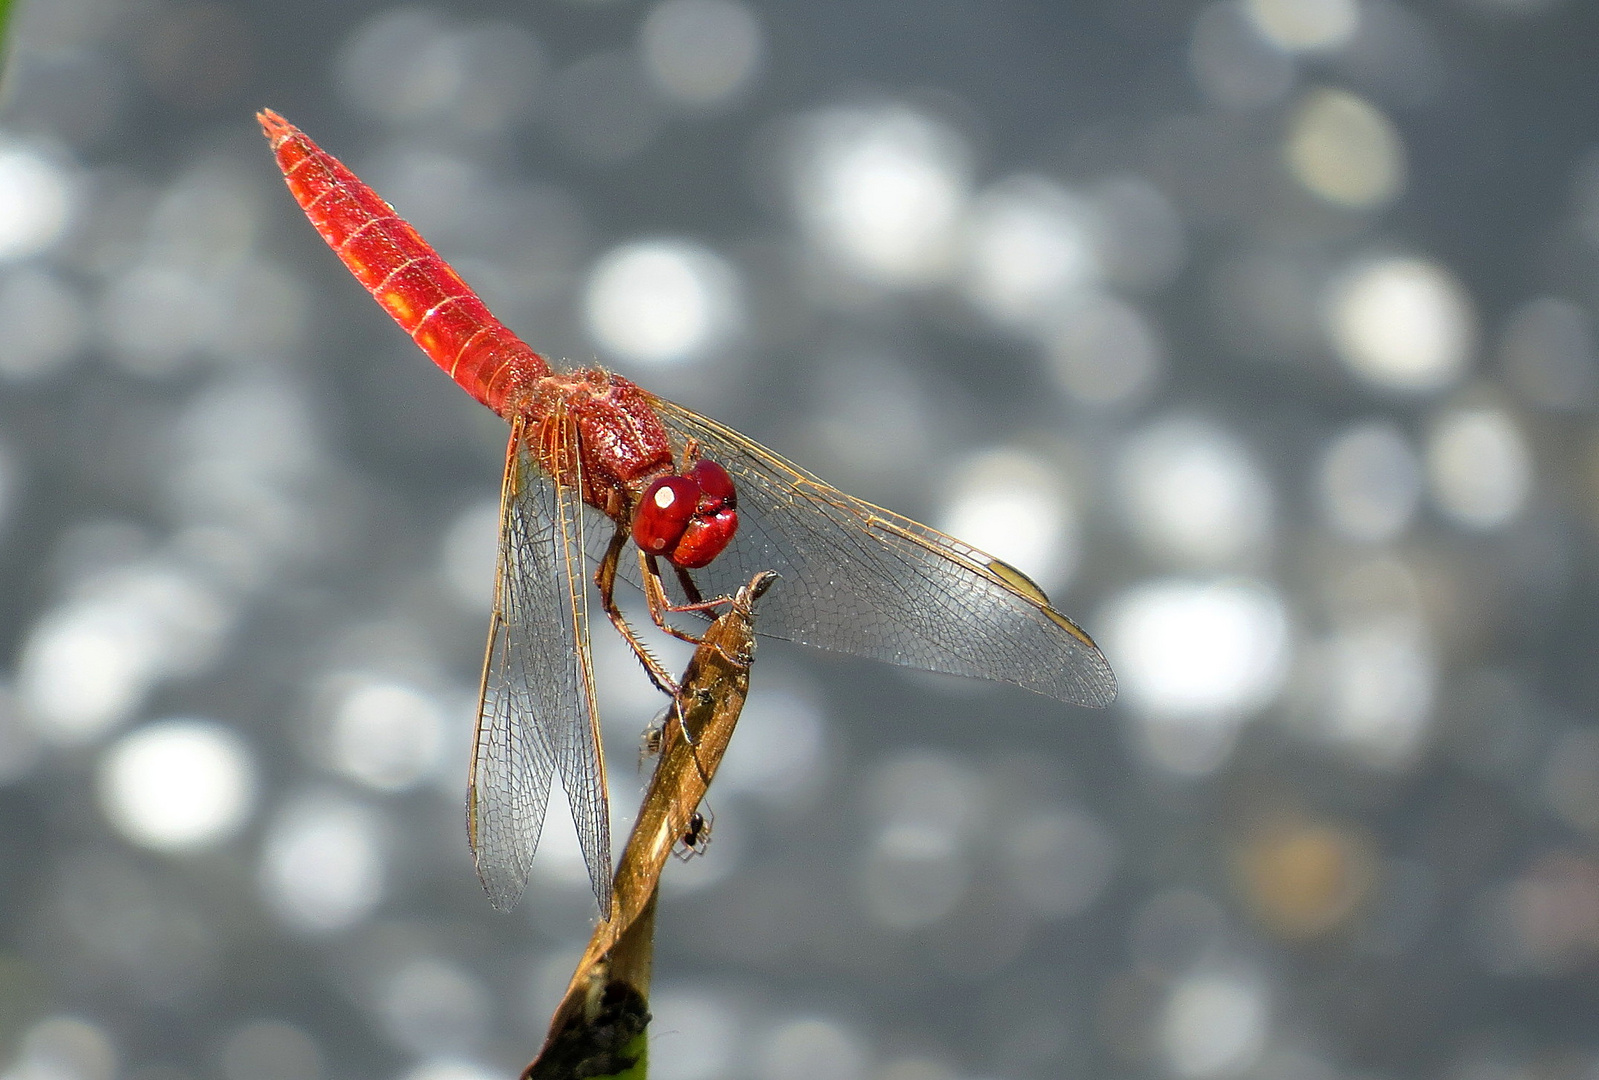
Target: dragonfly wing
858,579
537,714
509,788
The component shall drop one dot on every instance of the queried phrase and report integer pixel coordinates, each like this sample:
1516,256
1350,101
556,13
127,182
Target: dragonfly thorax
599,425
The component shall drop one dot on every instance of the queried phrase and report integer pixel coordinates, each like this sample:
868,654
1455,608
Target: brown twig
598,1029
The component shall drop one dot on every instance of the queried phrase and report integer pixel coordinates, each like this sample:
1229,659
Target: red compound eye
689,519
663,513
704,539
715,517
715,485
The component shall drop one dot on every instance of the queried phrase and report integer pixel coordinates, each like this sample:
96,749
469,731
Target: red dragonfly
704,507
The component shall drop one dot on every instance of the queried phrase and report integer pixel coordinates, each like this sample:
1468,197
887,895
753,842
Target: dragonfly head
688,519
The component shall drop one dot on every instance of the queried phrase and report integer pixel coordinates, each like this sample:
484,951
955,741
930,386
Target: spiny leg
605,581
660,606
691,590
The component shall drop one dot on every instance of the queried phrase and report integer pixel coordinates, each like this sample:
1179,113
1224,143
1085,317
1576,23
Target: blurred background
1259,332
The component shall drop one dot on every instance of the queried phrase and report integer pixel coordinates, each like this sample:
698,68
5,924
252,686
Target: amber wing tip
275,127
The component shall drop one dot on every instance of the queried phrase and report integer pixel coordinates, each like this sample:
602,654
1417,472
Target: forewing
537,712
858,579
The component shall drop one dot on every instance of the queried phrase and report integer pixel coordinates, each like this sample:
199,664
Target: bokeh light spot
1372,679
453,1067
697,1034
1104,352
1401,324
662,302
84,670
322,864
882,191
1139,233
64,1047
1214,1025
159,317
1306,25
780,755
1479,467
88,664
178,785
701,53
271,1050
808,1048
1235,64
917,1067
1011,504
1306,879
1342,149
1194,660
928,787
36,202
205,222
46,325
1059,861
1193,494
386,735
917,866
432,1007
407,64
1369,480
1030,245
914,875
1545,920
469,552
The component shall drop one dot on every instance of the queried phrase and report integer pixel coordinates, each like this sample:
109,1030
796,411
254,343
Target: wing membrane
537,714
858,579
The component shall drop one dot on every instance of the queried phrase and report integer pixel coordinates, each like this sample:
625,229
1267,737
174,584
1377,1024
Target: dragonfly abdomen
404,274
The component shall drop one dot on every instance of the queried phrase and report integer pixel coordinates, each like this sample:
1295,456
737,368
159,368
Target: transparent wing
857,579
537,713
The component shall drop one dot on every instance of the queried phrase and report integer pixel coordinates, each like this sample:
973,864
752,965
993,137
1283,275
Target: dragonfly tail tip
274,126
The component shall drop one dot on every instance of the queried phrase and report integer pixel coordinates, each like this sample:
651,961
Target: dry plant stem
616,965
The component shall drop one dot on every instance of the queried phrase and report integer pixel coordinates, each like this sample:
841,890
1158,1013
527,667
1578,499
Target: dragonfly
689,510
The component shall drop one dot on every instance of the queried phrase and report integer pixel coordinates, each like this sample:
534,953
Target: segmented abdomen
403,272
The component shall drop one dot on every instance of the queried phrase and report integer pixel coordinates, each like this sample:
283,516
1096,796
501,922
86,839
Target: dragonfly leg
657,592
691,454
690,590
605,581
659,604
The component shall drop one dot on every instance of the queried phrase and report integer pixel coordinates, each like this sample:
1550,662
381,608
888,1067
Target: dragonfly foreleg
691,454
685,581
605,581
660,606
655,592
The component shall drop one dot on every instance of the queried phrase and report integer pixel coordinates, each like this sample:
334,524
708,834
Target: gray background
1261,335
